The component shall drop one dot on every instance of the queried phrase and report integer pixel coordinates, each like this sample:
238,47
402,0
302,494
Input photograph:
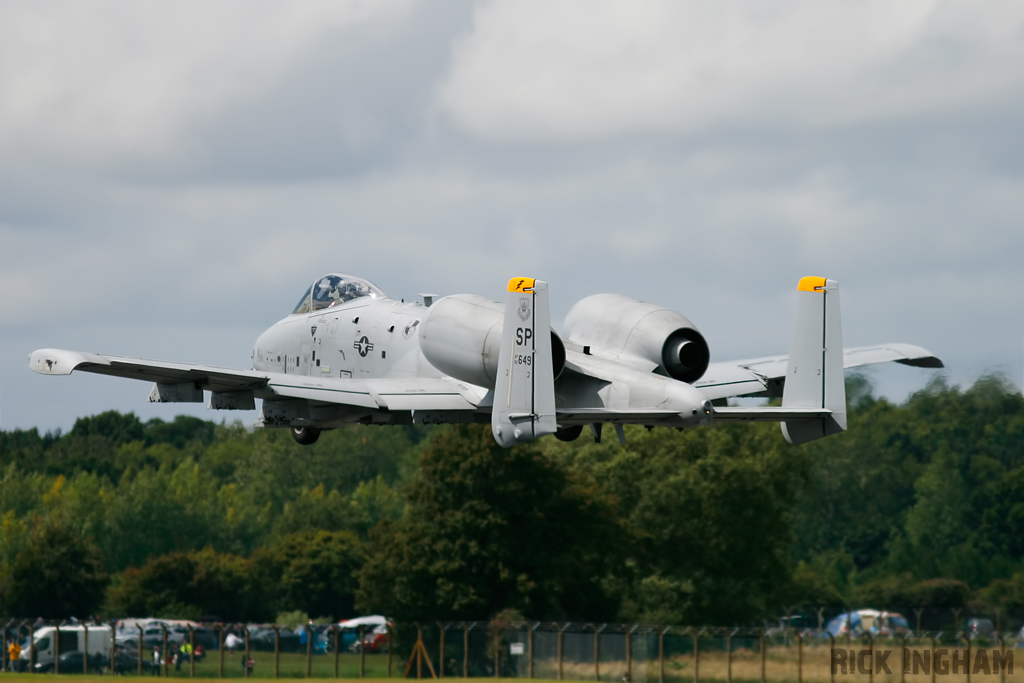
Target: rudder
524,390
814,378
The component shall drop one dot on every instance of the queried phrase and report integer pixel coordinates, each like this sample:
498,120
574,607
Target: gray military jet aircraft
349,354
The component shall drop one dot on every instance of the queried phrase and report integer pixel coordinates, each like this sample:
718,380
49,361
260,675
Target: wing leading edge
238,389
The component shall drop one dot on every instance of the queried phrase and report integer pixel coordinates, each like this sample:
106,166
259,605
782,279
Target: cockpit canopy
334,290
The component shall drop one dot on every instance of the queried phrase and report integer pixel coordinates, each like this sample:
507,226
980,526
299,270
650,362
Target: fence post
277,652
220,649
561,636
871,649
191,651
934,646
362,651
440,649
465,650
903,658
831,667
968,641
696,655
337,648
661,654
4,655
1002,656
85,648
140,649
800,658
113,648
728,655
56,648
309,650
597,652
497,654
164,652
529,644
763,656
245,664
388,628
629,653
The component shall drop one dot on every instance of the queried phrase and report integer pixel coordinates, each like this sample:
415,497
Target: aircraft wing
766,376
61,362
182,382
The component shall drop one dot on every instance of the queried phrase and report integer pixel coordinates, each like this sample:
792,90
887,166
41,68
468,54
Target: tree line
919,504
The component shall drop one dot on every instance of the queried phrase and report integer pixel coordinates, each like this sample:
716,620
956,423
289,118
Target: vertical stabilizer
524,390
814,378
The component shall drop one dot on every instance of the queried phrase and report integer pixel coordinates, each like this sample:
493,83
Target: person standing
156,660
14,652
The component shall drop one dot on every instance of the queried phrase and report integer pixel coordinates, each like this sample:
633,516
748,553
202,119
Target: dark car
127,661
72,663
262,640
207,637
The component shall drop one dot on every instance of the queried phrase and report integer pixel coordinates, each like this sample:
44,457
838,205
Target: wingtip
927,362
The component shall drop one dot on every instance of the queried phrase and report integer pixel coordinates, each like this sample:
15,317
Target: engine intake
639,333
461,337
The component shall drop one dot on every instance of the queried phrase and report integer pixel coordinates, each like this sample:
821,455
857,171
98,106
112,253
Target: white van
72,638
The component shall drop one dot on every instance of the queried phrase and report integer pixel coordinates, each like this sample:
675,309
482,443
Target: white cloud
108,80
586,69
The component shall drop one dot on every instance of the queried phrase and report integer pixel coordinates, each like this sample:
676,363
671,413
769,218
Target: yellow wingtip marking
811,284
521,284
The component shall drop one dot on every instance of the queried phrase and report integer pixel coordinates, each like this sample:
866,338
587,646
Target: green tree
488,529
709,511
187,585
315,572
937,525
111,425
58,575
180,432
939,593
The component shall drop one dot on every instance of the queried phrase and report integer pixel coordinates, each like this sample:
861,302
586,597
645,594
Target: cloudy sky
174,175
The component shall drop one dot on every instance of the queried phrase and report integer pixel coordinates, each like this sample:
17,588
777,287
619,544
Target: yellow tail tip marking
811,284
524,284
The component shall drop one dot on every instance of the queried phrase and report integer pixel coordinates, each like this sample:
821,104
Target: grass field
102,679
781,666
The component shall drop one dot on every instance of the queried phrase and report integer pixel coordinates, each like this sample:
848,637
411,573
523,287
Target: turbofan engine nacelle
619,327
461,337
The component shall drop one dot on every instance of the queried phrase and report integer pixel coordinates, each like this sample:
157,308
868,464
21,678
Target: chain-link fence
790,651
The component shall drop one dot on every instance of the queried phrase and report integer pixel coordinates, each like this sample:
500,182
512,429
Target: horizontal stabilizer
769,414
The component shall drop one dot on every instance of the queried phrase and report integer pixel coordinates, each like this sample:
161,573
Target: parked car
71,663
72,638
127,661
373,641
859,622
787,627
261,639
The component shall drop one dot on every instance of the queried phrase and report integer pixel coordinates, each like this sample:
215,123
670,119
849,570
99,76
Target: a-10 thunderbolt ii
350,354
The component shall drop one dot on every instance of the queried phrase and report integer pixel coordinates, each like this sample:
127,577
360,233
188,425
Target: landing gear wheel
305,435
569,433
